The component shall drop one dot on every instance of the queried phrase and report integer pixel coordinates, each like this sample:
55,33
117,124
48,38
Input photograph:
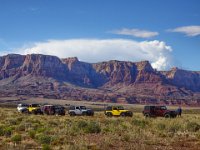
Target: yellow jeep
34,109
117,111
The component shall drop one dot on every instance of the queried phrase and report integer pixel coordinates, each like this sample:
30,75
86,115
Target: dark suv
53,110
158,111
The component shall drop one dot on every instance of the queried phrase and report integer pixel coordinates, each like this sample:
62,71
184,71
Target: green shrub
82,124
32,133
93,127
44,139
1,131
19,119
193,126
16,138
174,127
46,147
40,129
126,137
161,126
7,131
140,123
21,127
53,123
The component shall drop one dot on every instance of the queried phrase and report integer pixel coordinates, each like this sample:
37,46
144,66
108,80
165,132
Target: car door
115,111
158,111
78,111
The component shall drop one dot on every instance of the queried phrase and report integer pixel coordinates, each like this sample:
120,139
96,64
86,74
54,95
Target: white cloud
135,33
96,50
188,30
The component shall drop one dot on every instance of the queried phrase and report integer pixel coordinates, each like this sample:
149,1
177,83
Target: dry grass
21,131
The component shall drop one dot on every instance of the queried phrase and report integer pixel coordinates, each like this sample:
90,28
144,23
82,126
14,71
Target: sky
166,33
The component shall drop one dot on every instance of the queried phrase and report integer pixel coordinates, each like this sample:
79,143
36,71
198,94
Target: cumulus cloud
135,33
187,30
97,50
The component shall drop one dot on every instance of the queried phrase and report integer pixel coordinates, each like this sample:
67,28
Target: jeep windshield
163,108
35,105
83,107
120,108
22,105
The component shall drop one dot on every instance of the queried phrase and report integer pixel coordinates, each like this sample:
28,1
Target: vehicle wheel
147,115
123,115
167,115
24,111
131,114
109,114
72,114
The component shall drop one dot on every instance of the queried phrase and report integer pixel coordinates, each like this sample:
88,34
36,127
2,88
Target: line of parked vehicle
149,111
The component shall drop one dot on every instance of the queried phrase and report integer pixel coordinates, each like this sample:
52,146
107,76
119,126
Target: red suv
158,111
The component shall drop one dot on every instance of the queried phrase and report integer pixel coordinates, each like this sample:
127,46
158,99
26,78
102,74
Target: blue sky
167,33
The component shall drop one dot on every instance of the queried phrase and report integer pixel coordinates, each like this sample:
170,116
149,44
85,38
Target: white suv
22,108
80,110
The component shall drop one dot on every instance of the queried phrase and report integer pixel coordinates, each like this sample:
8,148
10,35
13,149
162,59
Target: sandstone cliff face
115,72
112,81
184,79
44,65
35,64
82,73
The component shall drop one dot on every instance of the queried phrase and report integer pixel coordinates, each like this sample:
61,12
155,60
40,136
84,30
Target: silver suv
22,108
80,110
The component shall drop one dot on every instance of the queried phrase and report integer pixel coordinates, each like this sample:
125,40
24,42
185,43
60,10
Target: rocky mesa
38,75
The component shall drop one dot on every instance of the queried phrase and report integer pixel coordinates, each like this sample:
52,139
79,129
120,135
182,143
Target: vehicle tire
72,114
109,114
123,114
147,115
167,116
131,114
24,111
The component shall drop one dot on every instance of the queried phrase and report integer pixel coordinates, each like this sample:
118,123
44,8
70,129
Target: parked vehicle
80,110
34,109
158,111
22,108
48,109
117,111
53,110
59,110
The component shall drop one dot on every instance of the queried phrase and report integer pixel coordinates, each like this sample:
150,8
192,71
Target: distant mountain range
47,76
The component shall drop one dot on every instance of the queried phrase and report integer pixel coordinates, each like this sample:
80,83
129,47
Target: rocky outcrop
34,64
112,81
184,79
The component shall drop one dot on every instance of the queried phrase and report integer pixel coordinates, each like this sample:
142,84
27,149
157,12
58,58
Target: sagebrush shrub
93,127
16,138
44,139
193,126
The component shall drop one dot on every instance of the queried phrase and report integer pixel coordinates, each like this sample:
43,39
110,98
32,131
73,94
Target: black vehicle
59,110
158,111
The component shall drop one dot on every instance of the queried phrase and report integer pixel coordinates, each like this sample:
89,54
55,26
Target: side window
77,107
115,108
